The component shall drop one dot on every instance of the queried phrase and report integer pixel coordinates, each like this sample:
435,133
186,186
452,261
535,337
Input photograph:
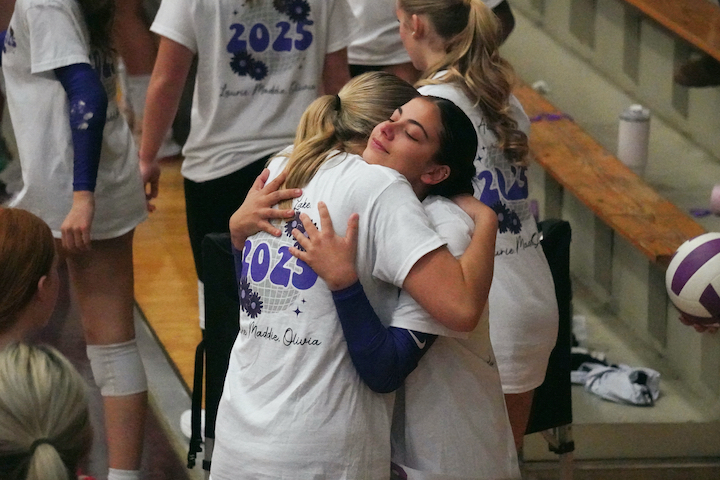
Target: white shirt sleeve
174,20
456,228
492,3
403,233
342,26
56,38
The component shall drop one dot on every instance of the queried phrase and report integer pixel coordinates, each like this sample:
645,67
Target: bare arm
163,97
455,292
336,72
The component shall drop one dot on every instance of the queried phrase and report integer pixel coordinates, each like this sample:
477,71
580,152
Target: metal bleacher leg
560,441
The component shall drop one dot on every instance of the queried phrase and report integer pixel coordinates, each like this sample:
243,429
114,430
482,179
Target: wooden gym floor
165,280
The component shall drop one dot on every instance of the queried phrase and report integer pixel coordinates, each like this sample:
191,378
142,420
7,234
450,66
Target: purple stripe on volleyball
692,262
711,301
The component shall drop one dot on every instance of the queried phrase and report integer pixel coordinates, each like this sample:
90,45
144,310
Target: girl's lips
378,146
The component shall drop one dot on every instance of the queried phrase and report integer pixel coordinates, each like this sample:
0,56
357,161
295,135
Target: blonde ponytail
343,122
44,419
472,35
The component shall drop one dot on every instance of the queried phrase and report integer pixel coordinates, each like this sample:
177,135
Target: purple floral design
242,63
244,292
298,10
254,306
508,220
258,70
296,223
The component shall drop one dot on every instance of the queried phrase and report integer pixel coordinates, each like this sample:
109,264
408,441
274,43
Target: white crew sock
115,474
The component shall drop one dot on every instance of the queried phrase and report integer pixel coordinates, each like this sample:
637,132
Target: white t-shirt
523,307
378,40
44,35
450,420
258,69
293,405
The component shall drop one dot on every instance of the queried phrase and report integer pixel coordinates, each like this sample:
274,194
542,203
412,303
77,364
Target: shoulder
517,112
451,91
60,4
455,94
442,210
377,174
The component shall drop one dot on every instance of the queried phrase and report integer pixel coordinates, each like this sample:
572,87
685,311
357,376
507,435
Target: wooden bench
695,21
615,194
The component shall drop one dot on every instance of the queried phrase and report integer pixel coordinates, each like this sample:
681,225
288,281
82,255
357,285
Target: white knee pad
117,368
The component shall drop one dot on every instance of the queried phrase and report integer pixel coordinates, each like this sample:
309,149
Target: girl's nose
386,128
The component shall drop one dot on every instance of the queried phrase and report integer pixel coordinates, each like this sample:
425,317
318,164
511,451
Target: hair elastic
39,442
338,103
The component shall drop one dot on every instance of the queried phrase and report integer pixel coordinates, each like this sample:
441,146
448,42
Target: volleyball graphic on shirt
271,279
693,276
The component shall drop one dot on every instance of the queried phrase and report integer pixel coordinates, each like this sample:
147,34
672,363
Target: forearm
87,112
383,357
478,260
454,292
163,96
336,72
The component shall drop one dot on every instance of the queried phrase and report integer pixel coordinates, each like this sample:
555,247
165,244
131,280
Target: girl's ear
418,26
43,288
435,175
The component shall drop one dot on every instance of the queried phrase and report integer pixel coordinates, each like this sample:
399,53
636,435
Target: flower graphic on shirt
508,220
258,70
254,305
281,5
298,10
295,222
244,292
242,63
514,224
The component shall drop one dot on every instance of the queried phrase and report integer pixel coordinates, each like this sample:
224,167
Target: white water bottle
634,138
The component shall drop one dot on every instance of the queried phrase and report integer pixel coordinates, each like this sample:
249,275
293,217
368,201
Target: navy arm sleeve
88,111
383,357
2,42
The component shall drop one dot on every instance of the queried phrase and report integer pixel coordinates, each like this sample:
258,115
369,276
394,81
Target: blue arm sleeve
2,42
88,110
383,357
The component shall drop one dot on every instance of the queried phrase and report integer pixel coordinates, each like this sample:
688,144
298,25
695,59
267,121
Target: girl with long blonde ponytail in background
455,44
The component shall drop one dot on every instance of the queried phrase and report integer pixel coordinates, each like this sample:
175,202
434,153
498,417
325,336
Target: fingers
351,234
276,197
273,213
276,182
154,187
325,222
299,254
310,227
75,239
259,182
302,240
